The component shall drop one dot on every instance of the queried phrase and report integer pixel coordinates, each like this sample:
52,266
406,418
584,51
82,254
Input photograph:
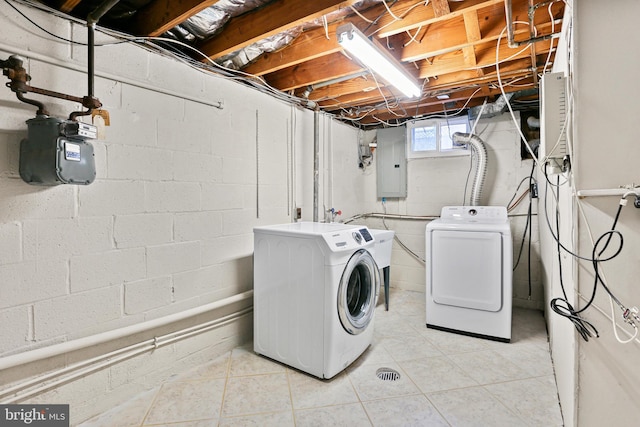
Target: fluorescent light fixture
443,96
375,58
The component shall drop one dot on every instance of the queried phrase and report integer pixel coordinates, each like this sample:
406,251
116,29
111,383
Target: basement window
433,137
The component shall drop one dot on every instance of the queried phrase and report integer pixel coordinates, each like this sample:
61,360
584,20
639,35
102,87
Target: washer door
358,292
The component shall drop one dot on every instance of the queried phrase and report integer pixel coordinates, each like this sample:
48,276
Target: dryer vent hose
478,148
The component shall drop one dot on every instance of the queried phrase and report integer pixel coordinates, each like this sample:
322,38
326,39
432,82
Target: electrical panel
553,116
391,163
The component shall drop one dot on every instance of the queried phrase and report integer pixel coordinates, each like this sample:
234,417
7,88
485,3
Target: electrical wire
401,123
524,139
517,202
510,207
64,39
384,2
624,310
444,116
405,13
562,306
553,30
528,228
412,38
365,19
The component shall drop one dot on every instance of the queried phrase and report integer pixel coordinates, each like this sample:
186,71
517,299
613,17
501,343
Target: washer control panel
474,213
366,235
348,239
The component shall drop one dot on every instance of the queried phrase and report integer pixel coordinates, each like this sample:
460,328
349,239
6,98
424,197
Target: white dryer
315,292
469,272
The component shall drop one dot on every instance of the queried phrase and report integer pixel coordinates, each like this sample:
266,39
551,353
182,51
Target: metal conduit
508,10
316,162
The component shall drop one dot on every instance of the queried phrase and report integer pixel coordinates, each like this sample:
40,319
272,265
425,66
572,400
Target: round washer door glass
358,292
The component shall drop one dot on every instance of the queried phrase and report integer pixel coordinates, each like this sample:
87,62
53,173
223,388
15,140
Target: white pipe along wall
115,334
59,377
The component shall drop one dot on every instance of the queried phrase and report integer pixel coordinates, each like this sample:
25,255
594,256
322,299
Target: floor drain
387,374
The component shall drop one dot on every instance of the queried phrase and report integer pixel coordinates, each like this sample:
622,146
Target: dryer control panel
474,213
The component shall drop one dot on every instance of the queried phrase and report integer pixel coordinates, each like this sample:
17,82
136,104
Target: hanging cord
528,225
562,306
512,205
325,24
412,38
530,221
630,315
365,19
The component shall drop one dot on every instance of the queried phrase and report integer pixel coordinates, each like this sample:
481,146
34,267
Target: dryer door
466,269
358,292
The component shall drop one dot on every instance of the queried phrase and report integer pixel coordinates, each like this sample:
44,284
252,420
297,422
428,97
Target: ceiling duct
205,23
210,21
242,57
499,106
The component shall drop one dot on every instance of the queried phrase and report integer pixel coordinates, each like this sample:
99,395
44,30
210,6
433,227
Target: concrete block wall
166,226
437,182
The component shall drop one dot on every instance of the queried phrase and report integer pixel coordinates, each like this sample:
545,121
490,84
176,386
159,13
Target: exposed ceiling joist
448,46
267,21
309,45
160,16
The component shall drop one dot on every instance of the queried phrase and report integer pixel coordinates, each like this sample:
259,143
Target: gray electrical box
57,152
392,162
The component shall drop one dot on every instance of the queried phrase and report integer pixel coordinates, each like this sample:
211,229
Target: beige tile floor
446,380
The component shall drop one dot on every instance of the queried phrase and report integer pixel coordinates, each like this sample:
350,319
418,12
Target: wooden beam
425,16
469,77
274,18
399,104
472,28
451,34
440,8
68,5
487,81
315,71
360,84
485,54
160,16
357,100
450,107
309,45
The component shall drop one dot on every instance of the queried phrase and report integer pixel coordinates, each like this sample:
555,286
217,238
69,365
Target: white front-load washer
315,292
469,272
